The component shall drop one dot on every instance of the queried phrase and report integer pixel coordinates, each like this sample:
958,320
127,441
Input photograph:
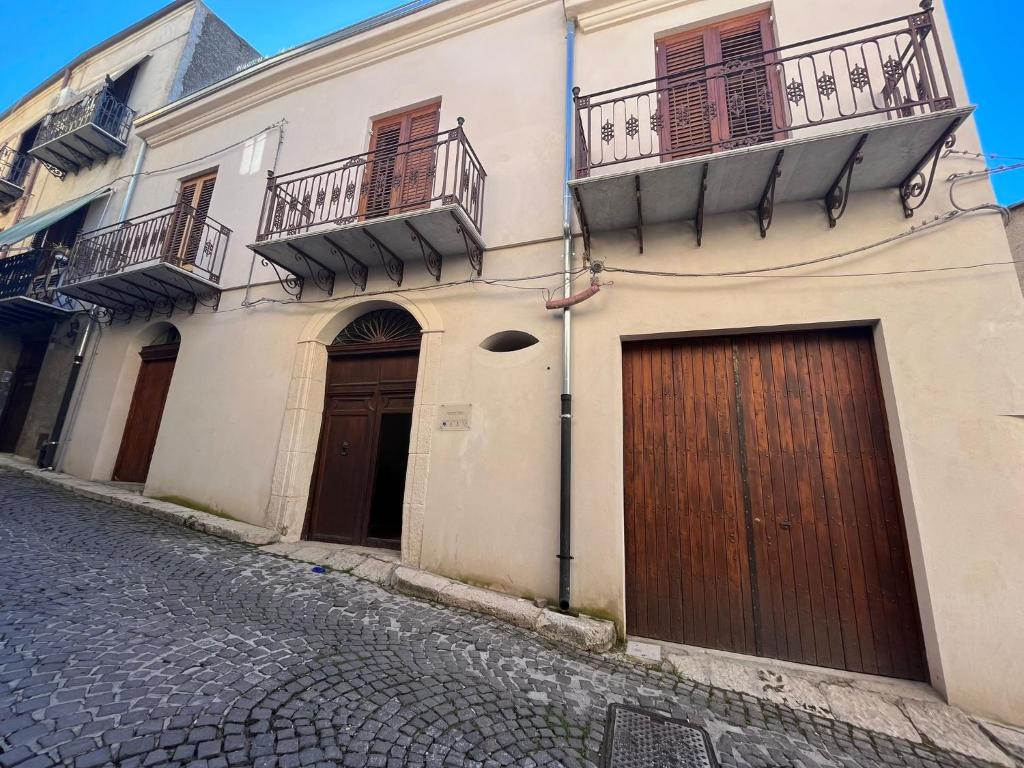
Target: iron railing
177,235
14,165
438,170
101,108
885,71
34,273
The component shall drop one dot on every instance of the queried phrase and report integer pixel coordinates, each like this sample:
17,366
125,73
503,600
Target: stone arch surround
300,430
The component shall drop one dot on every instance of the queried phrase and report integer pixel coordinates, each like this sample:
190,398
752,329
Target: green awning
39,222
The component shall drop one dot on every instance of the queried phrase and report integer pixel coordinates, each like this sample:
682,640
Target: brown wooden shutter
186,231
708,104
749,100
203,196
417,179
380,170
401,157
687,124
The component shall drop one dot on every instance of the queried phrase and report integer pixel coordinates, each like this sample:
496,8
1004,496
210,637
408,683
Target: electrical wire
222,150
503,282
979,155
938,221
921,270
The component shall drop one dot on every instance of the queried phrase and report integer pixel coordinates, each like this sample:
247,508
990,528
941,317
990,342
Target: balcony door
185,235
399,174
721,90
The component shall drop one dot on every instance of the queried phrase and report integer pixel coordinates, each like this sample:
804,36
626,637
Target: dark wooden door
145,413
19,397
762,514
359,480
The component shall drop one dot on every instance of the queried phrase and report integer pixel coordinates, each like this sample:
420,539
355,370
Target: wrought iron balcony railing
33,274
14,166
100,108
177,236
876,72
438,170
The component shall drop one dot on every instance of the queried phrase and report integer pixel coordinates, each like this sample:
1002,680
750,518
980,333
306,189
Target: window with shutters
185,235
720,89
400,170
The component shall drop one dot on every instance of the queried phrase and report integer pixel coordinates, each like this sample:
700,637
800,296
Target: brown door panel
343,476
144,416
761,508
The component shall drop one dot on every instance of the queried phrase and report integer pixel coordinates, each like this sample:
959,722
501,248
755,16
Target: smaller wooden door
399,175
19,399
145,413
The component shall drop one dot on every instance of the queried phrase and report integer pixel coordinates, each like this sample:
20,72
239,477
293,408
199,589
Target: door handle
344,447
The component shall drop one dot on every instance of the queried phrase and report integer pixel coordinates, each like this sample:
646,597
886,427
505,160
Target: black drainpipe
48,451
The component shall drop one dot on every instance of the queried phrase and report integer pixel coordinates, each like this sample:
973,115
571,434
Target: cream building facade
793,439
67,153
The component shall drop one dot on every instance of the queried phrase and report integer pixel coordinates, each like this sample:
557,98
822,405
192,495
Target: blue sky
987,33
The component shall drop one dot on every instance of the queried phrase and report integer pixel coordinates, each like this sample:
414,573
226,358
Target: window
121,86
189,220
19,167
399,175
721,90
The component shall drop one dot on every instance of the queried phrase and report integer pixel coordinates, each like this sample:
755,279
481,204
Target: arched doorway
147,408
359,478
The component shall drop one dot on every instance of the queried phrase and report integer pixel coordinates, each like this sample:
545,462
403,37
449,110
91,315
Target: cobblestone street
128,641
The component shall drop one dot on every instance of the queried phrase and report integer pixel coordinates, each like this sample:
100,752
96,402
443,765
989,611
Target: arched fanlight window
382,326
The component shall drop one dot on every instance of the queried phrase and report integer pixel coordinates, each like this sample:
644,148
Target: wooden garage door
762,514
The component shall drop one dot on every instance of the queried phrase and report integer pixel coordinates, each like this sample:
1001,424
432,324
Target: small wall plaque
455,418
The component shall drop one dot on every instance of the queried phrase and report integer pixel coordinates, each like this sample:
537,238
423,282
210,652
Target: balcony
870,108
90,130
14,167
28,286
159,263
420,199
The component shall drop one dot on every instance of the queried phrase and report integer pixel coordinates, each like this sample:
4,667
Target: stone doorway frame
303,415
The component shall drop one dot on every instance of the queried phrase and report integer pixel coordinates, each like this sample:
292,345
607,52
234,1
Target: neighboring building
67,151
1015,233
814,462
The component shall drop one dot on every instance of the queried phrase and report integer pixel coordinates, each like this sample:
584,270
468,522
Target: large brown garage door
762,514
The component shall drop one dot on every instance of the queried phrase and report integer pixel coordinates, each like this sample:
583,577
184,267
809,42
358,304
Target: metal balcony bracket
290,282
639,213
584,226
393,266
914,189
99,151
323,277
474,251
839,193
699,223
176,300
54,170
431,258
766,208
357,270
79,159
161,304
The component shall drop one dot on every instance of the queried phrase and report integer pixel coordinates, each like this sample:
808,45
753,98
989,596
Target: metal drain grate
642,738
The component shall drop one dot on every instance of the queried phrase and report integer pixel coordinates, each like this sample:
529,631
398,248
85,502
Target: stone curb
581,631
577,631
232,530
